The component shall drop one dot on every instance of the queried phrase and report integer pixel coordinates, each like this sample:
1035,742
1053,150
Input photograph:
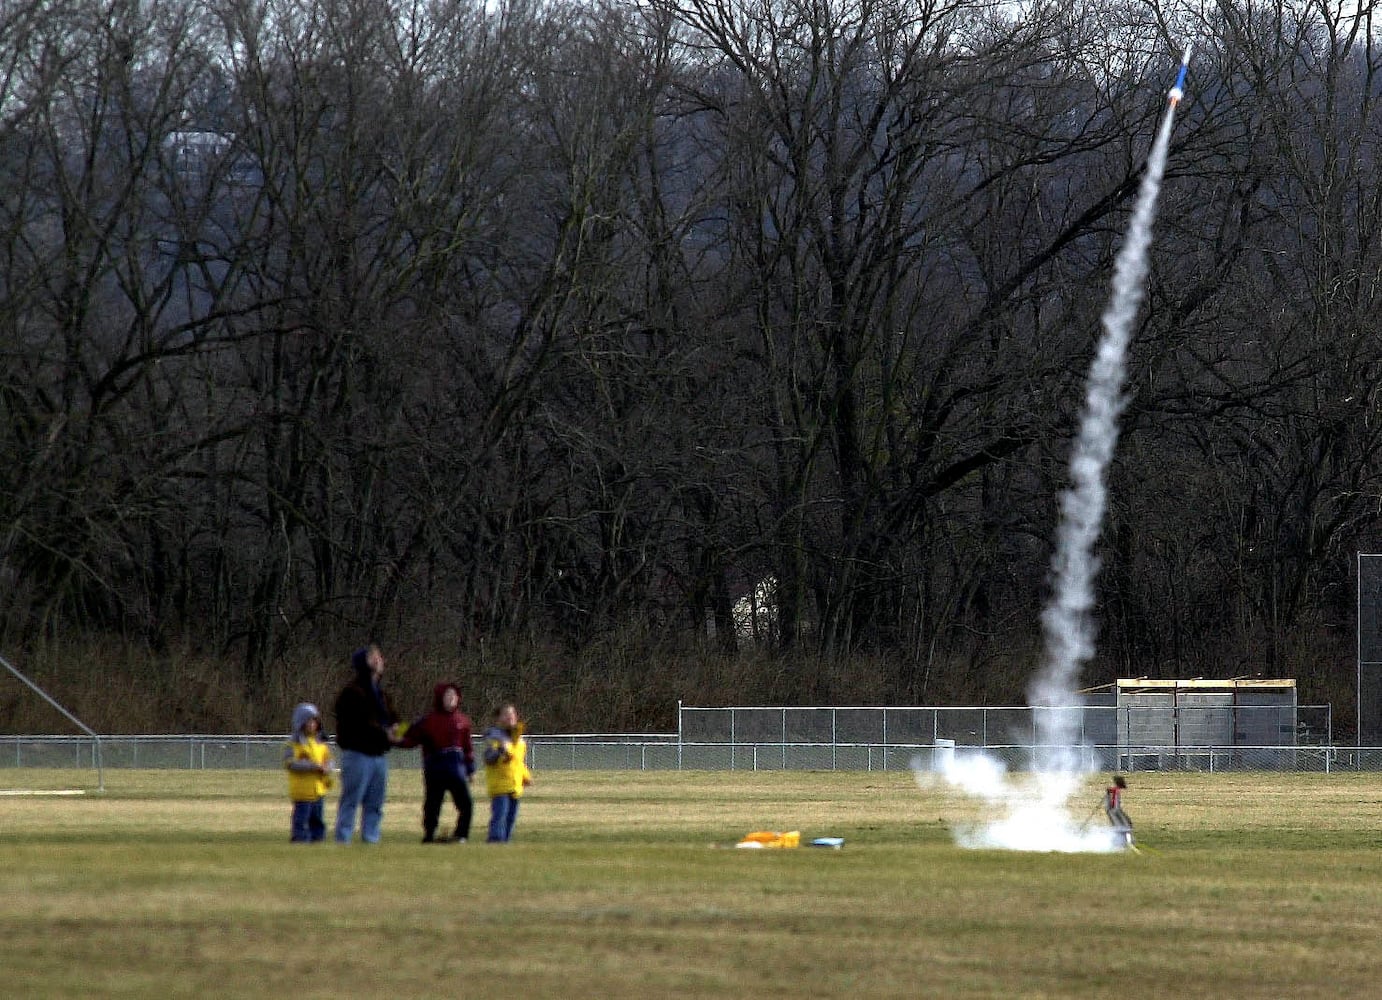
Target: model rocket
1178,88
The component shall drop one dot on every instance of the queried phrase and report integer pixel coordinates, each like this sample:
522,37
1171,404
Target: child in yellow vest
308,763
506,772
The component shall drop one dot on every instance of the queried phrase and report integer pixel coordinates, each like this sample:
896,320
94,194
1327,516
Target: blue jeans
364,783
309,821
503,810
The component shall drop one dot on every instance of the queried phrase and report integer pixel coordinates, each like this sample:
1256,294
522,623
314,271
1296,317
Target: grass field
180,883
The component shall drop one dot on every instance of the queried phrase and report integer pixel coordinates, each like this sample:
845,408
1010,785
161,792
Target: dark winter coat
440,731
364,715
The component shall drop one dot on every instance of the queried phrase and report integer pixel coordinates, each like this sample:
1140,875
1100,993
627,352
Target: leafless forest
616,351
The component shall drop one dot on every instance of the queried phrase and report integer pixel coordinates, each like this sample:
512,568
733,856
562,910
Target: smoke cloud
1032,812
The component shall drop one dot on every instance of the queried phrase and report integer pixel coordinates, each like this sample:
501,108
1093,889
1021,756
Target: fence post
885,739
834,743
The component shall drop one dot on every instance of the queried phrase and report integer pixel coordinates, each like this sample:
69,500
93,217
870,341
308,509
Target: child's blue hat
303,714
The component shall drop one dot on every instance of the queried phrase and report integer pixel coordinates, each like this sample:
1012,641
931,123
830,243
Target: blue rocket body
1178,88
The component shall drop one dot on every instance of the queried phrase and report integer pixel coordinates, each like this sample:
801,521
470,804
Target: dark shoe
427,838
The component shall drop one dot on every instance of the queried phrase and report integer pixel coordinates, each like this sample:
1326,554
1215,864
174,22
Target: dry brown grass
623,682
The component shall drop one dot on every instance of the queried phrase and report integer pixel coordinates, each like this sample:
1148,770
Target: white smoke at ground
1032,812
1021,812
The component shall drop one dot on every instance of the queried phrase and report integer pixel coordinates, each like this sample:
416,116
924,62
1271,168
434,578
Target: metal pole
885,739
100,772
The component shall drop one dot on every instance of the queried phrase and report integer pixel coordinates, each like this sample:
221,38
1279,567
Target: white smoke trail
1068,622
1034,814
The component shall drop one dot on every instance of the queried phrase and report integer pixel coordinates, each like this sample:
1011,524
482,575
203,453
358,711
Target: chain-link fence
1369,691
828,738
577,751
665,752
1182,726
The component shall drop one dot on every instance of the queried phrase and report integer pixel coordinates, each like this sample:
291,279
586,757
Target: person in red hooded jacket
1113,809
448,761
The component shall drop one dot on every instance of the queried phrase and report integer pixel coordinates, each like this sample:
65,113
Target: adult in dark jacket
448,761
365,720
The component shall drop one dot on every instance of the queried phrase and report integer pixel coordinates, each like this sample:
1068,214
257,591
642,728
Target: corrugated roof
1202,684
